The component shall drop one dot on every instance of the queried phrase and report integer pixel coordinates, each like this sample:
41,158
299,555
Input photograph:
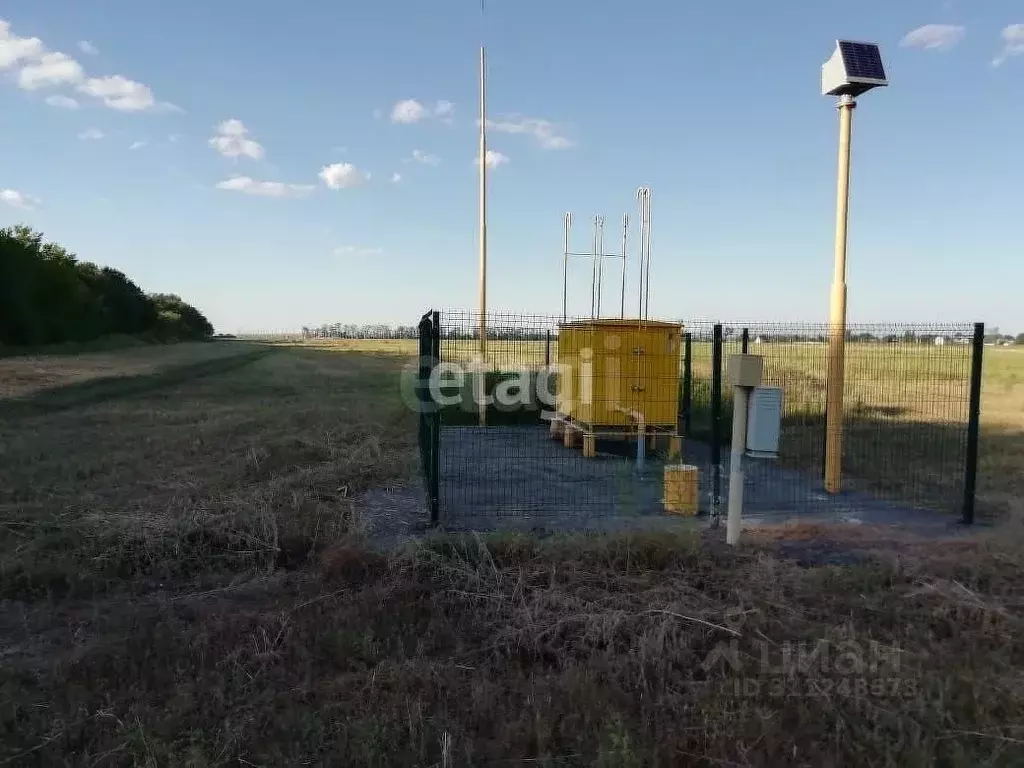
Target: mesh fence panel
906,408
906,394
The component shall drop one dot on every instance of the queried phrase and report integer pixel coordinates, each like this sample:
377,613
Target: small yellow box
682,489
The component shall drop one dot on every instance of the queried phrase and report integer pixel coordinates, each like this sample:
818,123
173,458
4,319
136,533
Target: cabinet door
657,381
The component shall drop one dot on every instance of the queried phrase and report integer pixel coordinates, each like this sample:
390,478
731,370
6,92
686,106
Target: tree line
384,331
357,331
701,332
49,296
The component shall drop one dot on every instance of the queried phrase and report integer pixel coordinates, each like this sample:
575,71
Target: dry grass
22,376
184,582
243,464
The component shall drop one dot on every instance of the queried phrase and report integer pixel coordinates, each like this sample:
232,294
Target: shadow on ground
112,387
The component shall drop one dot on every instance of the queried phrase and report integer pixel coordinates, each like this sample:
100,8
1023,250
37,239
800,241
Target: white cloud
62,102
419,156
412,111
232,140
494,159
50,69
342,176
137,145
249,186
173,138
86,47
543,131
937,37
91,134
408,111
1013,43
120,93
444,111
41,68
395,178
355,250
14,49
18,199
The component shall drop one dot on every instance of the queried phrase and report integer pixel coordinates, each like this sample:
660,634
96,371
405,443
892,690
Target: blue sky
715,106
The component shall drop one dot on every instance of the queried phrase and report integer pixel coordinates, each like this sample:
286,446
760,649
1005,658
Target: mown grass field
185,579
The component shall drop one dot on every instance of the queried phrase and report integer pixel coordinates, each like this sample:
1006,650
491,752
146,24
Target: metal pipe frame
643,197
598,256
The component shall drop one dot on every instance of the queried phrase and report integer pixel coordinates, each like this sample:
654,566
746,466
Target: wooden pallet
575,434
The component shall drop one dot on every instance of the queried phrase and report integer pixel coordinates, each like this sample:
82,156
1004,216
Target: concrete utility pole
853,69
482,394
837,314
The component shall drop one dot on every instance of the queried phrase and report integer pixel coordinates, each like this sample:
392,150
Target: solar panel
862,60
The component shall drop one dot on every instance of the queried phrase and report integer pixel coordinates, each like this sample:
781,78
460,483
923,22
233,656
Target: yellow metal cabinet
611,370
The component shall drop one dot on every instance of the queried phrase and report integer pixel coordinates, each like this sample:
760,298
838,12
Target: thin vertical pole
625,238
547,348
593,279
745,345
647,265
483,237
642,213
435,427
423,392
565,267
599,250
973,424
741,397
716,422
837,334
429,413
687,383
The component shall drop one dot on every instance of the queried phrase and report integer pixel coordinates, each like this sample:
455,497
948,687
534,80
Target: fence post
746,341
687,383
435,426
973,424
547,348
422,393
716,422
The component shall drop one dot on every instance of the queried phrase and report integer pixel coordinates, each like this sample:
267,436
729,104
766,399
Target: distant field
25,375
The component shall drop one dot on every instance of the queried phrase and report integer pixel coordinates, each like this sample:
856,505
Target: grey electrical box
764,422
745,370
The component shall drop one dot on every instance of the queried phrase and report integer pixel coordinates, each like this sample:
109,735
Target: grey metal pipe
593,280
625,237
647,267
643,198
565,268
599,250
